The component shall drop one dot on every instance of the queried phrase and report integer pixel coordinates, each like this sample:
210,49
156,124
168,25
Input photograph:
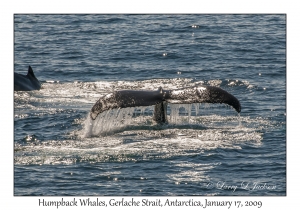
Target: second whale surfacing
160,98
26,82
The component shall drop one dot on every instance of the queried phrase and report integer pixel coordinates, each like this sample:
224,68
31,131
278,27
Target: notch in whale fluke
160,97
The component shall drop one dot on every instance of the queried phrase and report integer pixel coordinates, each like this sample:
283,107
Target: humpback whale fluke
26,83
202,94
160,98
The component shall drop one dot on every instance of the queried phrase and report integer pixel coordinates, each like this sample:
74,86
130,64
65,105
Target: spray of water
115,120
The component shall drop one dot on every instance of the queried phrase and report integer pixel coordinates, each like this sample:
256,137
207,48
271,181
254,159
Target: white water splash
115,120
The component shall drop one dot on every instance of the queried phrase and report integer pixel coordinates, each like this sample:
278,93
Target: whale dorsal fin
30,72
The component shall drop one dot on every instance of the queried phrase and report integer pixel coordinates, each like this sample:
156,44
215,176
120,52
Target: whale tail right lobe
202,94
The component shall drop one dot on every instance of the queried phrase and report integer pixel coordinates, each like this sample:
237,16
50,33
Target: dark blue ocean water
204,150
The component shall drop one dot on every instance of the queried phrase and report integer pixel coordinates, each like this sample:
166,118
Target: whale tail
202,94
160,98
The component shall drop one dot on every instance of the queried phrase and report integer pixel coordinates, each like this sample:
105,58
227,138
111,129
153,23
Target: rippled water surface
58,150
